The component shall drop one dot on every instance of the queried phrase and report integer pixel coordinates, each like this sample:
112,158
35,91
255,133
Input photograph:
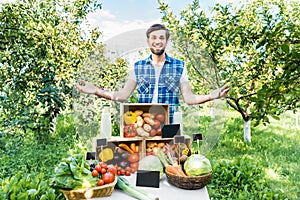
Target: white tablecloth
164,192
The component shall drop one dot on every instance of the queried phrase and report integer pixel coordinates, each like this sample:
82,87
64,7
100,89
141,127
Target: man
160,78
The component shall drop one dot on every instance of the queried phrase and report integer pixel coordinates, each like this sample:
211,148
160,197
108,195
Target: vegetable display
124,156
143,124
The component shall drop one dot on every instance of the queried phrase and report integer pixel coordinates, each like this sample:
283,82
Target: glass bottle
177,118
105,127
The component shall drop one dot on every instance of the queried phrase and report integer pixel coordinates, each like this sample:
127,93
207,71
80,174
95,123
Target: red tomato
98,168
108,177
127,168
133,157
112,169
103,165
127,173
133,170
122,172
103,171
134,165
95,173
100,182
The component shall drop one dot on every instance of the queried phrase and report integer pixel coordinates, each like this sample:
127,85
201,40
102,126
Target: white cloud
111,26
7,1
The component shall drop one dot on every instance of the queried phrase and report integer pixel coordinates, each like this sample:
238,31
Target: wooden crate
114,142
146,108
157,140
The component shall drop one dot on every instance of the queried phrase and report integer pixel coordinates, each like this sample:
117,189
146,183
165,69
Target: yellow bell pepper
129,117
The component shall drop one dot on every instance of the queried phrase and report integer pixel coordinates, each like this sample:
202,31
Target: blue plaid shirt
168,85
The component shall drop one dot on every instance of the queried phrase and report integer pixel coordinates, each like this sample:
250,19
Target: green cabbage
151,163
197,165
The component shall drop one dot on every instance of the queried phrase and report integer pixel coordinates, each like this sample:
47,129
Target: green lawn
266,168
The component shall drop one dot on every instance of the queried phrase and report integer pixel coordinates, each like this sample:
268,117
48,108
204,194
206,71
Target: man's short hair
156,27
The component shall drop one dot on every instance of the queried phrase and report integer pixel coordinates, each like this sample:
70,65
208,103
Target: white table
164,192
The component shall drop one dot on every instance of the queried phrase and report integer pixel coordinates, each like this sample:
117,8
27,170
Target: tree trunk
247,131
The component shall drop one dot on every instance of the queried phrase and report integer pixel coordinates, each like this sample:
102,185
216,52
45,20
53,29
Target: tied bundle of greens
73,173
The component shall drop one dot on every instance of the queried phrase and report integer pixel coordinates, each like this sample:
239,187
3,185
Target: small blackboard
170,130
102,142
178,139
197,136
147,178
90,156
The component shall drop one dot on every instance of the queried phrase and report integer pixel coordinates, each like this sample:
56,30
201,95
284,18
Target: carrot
175,170
132,146
136,149
126,147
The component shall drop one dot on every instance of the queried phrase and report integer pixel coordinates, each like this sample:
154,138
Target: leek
138,193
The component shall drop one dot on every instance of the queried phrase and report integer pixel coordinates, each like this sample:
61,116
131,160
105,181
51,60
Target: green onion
138,193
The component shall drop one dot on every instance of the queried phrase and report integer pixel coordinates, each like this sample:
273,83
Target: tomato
95,173
127,173
160,117
127,168
133,170
134,165
98,168
112,169
133,157
122,172
100,182
103,165
103,171
108,177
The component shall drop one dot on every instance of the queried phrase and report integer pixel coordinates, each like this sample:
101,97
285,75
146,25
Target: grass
274,149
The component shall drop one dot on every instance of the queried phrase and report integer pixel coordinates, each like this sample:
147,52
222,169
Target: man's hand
220,92
86,87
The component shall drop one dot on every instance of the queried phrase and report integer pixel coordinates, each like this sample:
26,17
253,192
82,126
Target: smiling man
159,78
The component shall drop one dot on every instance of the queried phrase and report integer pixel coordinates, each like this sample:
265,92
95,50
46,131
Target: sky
117,16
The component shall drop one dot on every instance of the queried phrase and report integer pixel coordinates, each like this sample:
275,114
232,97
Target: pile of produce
185,164
138,123
104,173
124,157
75,173
152,147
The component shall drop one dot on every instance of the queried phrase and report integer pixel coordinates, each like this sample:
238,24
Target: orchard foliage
254,48
42,47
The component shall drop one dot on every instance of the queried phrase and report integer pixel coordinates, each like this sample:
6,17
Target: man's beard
158,53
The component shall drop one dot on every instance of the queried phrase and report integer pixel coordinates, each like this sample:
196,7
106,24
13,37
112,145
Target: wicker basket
189,182
88,193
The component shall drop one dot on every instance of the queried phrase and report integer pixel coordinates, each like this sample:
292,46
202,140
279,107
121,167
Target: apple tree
42,47
253,47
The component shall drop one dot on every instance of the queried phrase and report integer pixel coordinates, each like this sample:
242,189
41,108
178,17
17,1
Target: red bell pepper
129,131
